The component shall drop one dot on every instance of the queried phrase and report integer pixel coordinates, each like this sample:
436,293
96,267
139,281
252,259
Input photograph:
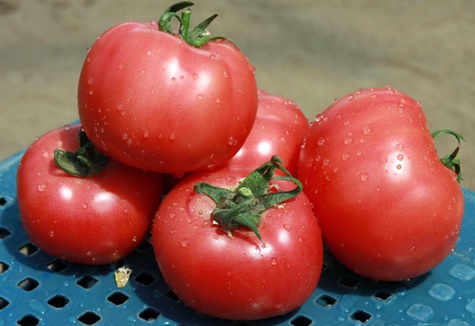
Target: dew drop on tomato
364,177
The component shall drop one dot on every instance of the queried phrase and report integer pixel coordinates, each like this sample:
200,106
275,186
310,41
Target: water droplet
413,248
231,140
211,166
172,136
273,261
399,147
42,187
345,156
184,243
399,166
90,80
318,118
121,66
149,53
199,97
364,177
225,74
287,227
321,141
51,234
400,157
348,141
367,130
470,306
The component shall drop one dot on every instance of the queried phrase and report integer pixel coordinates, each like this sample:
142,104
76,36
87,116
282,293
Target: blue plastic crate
38,289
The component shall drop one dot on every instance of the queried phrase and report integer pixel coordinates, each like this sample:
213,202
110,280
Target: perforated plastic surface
37,289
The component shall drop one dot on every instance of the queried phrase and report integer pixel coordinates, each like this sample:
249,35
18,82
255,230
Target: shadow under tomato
338,280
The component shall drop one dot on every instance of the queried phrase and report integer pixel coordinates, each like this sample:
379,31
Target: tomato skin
388,208
149,100
92,220
279,129
238,278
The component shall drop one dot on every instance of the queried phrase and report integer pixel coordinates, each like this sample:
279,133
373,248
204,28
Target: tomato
149,99
279,129
388,208
231,273
91,220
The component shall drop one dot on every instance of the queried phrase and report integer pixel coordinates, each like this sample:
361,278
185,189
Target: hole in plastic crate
4,233
360,316
172,296
28,284
28,249
383,295
87,281
3,201
58,301
57,265
324,266
28,320
149,314
145,278
325,301
3,303
144,246
89,318
301,321
117,298
3,267
349,281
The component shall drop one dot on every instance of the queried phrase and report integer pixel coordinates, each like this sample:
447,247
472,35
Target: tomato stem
244,205
451,161
86,161
198,36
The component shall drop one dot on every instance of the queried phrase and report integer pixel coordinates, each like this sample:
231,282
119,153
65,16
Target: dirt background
306,50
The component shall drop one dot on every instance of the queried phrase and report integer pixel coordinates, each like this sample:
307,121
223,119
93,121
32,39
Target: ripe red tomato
149,99
236,277
90,220
279,129
388,208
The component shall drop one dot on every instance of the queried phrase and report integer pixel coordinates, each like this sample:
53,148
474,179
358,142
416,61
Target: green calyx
244,205
86,161
451,161
196,37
